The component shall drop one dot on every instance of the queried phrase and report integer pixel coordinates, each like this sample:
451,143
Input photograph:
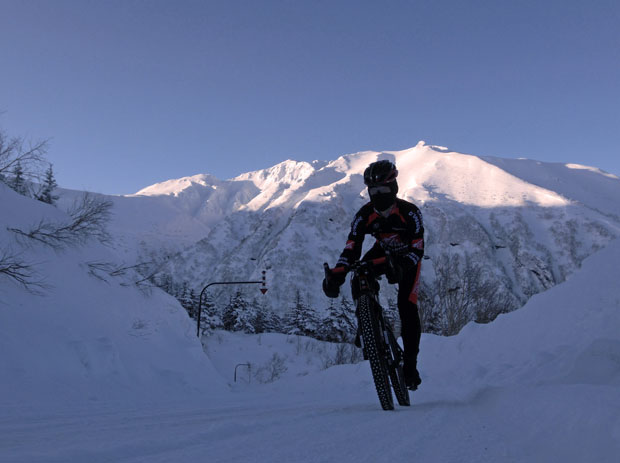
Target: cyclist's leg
374,253
411,329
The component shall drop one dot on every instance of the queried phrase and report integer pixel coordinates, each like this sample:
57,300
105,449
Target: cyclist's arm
353,249
415,234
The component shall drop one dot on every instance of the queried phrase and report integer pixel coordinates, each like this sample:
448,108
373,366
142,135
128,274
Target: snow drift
84,337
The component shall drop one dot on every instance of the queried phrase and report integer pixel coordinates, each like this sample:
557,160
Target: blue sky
135,92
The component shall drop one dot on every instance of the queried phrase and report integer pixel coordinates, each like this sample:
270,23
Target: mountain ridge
505,216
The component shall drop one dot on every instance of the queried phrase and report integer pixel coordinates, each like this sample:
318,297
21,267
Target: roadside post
263,289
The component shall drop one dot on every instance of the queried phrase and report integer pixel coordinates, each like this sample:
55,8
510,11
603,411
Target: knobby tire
373,344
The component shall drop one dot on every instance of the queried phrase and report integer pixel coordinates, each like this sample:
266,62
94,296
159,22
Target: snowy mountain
171,215
526,225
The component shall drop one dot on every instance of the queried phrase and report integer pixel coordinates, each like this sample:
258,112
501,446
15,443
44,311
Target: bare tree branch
102,269
89,214
14,151
13,267
460,293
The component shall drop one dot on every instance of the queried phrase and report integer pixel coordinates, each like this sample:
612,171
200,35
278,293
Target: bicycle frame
365,282
386,356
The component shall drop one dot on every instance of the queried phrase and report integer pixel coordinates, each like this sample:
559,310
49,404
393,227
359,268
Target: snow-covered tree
301,319
266,321
261,320
339,324
49,185
211,319
239,315
186,301
18,183
273,323
348,309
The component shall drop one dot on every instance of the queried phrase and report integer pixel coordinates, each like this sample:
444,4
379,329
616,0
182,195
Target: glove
394,273
332,283
330,289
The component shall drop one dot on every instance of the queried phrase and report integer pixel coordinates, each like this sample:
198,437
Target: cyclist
397,227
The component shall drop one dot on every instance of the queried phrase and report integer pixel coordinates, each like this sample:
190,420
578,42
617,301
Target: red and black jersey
401,232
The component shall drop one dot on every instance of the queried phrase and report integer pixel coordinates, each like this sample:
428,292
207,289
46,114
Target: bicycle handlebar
372,262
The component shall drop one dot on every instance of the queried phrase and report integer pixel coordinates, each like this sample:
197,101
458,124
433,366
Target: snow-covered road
569,423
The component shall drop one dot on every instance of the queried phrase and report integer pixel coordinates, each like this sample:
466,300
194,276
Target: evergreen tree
185,300
348,309
176,289
228,315
327,330
339,324
239,315
18,183
261,320
211,319
193,302
266,321
46,195
274,322
301,319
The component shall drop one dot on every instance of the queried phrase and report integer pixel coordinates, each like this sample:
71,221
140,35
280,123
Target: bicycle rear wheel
374,347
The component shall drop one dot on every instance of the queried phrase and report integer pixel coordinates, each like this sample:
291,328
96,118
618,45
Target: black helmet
380,177
380,173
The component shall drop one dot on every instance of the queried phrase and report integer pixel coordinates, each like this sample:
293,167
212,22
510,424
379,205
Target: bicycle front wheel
373,345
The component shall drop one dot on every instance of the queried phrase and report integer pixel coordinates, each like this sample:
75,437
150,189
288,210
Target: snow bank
81,339
566,335
273,357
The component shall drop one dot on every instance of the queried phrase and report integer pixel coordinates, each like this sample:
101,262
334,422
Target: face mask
382,201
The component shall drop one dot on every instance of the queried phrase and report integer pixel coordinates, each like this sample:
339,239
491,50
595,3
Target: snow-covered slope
539,384
85,336
528,224
568,335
